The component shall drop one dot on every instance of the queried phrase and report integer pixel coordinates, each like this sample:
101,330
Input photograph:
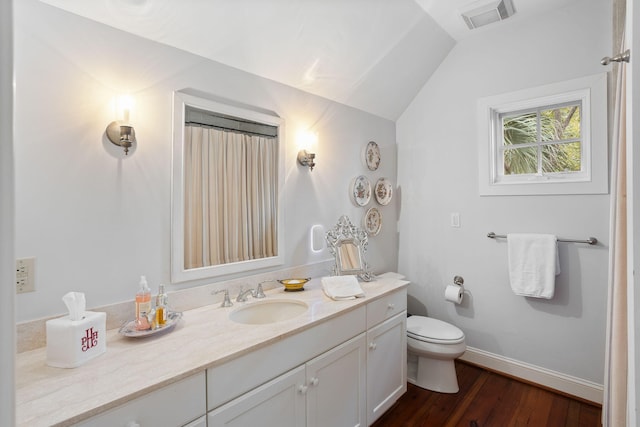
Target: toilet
432,346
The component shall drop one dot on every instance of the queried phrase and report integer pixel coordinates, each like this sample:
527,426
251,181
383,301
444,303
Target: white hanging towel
342,287
533,264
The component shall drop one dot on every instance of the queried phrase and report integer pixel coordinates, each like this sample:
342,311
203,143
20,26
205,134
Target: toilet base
432,374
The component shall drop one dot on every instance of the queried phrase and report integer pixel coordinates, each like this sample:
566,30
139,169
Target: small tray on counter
129,328
293,285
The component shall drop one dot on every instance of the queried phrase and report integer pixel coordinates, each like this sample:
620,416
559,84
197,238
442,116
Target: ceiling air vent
482,13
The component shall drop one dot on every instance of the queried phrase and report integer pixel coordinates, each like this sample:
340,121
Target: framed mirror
227,184
348,257
348,245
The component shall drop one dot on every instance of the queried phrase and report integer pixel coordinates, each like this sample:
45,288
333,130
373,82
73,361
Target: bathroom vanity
337,363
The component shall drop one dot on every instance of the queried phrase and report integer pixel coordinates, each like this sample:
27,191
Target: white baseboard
574,386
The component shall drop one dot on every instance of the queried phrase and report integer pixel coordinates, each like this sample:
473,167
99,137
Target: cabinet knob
373,346
391,306
314,381
303,389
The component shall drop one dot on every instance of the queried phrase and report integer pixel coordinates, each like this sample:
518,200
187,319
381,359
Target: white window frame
591,93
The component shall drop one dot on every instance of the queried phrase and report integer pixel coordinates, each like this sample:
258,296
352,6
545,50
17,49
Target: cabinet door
336,381
386,365
280,402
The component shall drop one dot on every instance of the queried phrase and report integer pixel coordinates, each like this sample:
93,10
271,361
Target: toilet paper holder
455,292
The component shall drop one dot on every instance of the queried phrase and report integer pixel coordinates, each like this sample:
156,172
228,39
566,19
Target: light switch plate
455,219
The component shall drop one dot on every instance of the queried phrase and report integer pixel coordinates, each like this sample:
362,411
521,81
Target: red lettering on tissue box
90,339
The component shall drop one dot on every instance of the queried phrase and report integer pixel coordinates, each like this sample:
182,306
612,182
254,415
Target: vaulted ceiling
374,55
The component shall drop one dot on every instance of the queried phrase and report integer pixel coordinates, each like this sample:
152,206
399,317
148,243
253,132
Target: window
545,140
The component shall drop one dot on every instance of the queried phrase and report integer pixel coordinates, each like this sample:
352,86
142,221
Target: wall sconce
121,132
306,159
306,140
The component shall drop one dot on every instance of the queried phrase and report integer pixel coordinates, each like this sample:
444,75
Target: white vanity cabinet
387,353
329,390
340,363
280,402
178,404
313,369
336,381
346,371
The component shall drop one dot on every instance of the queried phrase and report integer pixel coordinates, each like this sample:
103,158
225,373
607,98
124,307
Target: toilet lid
433,330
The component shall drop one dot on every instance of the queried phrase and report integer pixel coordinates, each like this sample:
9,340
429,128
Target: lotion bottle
143,305
162,300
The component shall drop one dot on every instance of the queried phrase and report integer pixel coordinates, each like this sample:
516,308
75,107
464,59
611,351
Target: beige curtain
230,197
614,410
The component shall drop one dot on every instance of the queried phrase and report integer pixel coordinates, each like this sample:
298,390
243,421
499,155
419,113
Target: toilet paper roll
454,293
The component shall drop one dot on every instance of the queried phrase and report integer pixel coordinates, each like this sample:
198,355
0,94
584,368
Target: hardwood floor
487,399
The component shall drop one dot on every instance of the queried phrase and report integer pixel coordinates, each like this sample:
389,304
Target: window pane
561,157
560,123
520,161
521,129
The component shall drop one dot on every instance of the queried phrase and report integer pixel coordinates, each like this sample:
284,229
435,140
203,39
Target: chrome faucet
242,296
226,302
259,293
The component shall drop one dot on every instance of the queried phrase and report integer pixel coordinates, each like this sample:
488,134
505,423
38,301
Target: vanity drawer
174,405
386,307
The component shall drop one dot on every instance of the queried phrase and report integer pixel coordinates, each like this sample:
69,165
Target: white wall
438,175
95,222
7,263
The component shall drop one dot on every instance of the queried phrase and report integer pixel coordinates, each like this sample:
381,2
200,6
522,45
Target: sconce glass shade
121,134
306,159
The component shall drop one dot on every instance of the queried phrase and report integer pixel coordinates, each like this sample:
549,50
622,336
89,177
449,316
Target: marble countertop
132,367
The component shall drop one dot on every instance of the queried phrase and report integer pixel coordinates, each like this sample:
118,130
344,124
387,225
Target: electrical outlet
25,275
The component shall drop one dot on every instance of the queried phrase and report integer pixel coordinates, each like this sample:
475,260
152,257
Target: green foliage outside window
542,141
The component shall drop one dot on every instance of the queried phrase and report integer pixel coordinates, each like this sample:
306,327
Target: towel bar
590,240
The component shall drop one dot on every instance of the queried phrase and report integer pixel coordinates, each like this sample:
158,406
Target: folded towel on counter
342,287
533,264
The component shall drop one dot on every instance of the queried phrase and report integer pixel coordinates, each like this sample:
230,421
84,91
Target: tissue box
70,343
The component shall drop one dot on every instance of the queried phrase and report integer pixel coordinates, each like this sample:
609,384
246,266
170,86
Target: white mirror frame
178,273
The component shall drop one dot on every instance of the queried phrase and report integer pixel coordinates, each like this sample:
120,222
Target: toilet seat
435,331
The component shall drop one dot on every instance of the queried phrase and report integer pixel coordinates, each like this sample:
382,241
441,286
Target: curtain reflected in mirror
230,197
349,256
227,186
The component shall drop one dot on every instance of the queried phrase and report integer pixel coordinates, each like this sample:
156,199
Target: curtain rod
209,119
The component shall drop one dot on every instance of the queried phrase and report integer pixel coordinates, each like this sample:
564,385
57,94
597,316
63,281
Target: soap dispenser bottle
162,301
143,305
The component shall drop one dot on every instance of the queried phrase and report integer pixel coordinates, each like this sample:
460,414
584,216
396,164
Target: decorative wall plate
372,155
383,191
361,190
372,221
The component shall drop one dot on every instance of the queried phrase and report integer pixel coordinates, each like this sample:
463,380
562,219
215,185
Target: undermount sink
269,311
